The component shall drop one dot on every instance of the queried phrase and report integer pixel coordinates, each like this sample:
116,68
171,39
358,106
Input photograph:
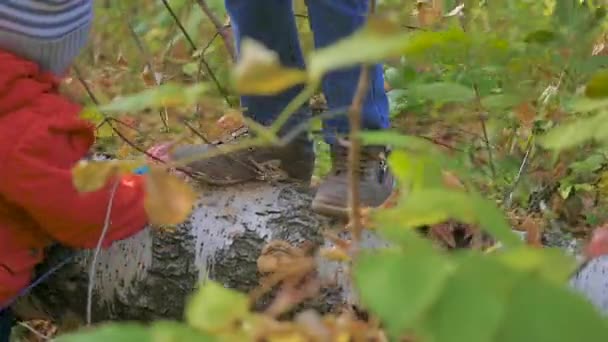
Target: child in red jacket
41,139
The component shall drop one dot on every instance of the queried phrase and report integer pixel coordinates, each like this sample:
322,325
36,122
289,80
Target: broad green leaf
551,264
259,71
215,308
590,164
399,286
405,238
167,331
418,147
115,332
576,132
397,78
540,37
398,140
443,92
588,105
419,172
432,206
377,40
541,311
380,39
500,101
472,303
166,95
597,87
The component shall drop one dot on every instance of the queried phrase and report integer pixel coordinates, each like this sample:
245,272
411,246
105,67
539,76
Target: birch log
152,274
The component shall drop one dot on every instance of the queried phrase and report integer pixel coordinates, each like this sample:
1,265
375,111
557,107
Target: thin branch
219,86
196,132
508,199
482,120
35,332
354,153
164,116
108,121
106,225
220,28
85,85
179,24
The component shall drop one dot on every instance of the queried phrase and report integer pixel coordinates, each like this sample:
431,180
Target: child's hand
162,153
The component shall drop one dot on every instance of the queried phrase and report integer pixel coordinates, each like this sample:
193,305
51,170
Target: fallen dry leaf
169,199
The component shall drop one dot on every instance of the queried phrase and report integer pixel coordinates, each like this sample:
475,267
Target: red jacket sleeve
38,178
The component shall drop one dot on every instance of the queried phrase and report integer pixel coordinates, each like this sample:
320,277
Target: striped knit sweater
48,32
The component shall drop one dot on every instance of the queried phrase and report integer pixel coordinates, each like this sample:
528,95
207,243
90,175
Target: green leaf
550,263
589,165
443,92
398,77
576,132
540,36
544,312
588,105
115,332
215,308
167,331
597,87
259,71
398,140
398,287
432,206
377,40
500,101
166,95
473,302
419,172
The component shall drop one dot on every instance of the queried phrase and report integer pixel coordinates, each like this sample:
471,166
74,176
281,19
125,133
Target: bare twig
108,121
482,120
219,27
196,132
508,199
106,225
164,116
34,331
219,86
354,152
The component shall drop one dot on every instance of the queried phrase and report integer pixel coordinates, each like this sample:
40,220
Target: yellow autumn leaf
603,184
93,115
259,71
286,337
90,176
169,199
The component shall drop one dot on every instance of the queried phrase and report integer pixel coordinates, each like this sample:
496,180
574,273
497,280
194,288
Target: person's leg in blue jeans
272,23
332,20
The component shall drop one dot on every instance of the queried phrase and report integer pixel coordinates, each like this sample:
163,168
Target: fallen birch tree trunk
151,275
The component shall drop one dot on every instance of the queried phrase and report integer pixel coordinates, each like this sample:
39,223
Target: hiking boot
293,161
376,181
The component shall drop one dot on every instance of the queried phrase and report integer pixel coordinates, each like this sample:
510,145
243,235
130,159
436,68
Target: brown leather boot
376,182
294,161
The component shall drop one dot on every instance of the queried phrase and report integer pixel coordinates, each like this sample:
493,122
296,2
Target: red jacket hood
20,81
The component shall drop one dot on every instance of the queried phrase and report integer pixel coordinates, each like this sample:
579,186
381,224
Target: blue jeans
6,324
272,23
